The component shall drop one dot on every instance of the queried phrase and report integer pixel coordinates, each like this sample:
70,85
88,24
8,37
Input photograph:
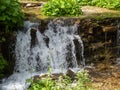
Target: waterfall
59,47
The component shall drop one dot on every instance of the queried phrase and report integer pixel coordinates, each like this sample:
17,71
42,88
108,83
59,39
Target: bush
62,8
11,15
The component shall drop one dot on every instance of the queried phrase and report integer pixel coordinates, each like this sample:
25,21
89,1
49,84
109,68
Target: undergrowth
3,64
81,82
110,4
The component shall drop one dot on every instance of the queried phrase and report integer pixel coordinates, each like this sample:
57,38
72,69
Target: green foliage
10,14
62,8
110,4
11,17
43,84
83,79
3,64
63,83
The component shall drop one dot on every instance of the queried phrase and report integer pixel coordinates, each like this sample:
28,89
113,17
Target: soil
105,77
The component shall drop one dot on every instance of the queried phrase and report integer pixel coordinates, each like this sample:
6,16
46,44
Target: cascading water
36,52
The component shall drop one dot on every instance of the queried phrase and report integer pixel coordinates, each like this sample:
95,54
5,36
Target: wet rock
33,37
78,52
53,76
0,81
71,74
36,77
43,25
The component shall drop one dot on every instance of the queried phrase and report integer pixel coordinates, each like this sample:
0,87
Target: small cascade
59,47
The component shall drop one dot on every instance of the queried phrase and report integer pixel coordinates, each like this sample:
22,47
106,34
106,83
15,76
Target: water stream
36,52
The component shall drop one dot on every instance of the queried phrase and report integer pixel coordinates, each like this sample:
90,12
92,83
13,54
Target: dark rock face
7,50
78,52
33,38
99,36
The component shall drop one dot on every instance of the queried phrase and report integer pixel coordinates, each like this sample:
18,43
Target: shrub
11,15
62,8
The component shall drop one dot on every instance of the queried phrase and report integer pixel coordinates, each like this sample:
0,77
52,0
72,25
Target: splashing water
36,52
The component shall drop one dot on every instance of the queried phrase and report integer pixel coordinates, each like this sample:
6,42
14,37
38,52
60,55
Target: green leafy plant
11,17
62,8
43,84
3,64
82,81
63,83
10,13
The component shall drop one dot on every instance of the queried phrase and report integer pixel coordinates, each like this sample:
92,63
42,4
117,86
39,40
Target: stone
71,74
0,81
36,77
54,76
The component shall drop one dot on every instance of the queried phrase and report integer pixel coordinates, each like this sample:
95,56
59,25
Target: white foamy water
55,49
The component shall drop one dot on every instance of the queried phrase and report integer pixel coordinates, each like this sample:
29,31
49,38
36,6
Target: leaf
2,18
